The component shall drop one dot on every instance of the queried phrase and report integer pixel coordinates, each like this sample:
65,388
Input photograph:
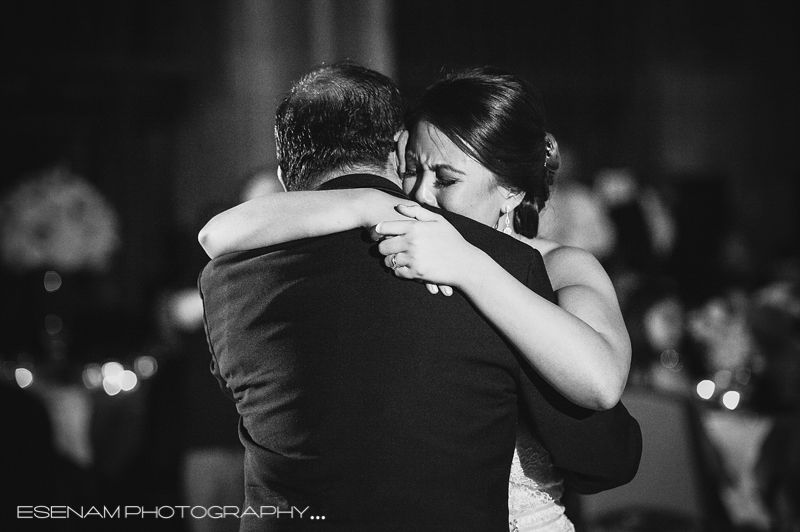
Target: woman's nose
424,192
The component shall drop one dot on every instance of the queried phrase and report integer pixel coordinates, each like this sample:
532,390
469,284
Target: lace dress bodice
535,489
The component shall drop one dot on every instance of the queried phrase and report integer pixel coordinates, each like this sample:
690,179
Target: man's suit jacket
366,400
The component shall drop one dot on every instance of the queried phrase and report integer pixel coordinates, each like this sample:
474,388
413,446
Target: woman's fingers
418,212
401,227
435,289
398,263
391,228
374,233
419,249
396,244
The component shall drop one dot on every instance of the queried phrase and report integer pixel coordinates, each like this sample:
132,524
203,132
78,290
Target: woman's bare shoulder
542,245
557,253
567,265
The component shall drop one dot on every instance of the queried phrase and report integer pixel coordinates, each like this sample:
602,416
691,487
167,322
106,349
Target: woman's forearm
588,366
286,216
580,346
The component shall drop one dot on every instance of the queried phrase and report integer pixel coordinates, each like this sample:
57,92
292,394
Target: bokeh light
52,281
705,389
722,378
92,376
111,386
112,369
731,399
112,377
127,380
146,366
670,359
24,377
743,375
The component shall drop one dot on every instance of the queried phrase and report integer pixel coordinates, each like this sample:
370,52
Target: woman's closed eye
446,175
443,181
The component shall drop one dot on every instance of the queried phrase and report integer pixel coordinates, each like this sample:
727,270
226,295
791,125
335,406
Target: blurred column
361,30
268,44
268,47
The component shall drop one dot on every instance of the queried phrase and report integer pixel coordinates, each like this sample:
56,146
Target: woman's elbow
208,242
609,395
609,392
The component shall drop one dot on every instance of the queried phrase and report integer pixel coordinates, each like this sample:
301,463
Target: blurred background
127,124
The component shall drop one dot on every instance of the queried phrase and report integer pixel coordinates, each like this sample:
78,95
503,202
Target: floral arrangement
56,219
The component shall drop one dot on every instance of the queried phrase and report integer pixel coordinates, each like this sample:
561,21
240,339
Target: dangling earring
507,229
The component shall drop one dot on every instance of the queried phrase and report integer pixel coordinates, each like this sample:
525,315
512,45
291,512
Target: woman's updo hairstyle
497,119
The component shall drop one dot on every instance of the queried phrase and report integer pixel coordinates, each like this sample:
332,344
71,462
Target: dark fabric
363,181
363,397
595,451
207,419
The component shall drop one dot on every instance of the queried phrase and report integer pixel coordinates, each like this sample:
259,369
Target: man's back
363,397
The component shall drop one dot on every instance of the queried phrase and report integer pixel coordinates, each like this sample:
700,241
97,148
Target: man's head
337,119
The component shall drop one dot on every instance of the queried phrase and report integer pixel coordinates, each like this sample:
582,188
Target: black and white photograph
400,266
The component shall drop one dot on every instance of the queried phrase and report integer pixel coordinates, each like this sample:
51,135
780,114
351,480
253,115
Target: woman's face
439,174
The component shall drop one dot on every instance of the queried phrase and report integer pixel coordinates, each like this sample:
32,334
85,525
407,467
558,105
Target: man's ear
401,140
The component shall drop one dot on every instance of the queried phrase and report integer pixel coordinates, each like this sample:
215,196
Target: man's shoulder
249,266
224,263
284,250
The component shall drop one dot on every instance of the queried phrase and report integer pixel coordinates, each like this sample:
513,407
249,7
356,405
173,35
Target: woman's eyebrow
445,166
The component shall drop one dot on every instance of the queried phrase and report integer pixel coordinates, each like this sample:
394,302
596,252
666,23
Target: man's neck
384,173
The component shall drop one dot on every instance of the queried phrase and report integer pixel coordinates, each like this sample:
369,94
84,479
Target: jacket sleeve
202,282
594,450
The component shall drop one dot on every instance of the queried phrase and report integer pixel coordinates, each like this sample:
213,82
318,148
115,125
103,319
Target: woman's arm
286,216
581,347
585,291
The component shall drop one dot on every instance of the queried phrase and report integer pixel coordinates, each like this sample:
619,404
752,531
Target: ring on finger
394,261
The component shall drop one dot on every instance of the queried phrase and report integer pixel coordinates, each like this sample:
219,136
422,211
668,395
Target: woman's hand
375,206
426,248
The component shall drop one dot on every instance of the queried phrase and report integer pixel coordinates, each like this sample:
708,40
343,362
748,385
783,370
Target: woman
477,147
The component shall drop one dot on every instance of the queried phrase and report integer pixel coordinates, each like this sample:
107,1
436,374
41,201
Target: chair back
672,485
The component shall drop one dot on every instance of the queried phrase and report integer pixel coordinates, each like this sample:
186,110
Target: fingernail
378,228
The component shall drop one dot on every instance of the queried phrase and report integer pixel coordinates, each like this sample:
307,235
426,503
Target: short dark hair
498,119
336,117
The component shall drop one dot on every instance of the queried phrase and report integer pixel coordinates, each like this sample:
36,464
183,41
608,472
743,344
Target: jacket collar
363,181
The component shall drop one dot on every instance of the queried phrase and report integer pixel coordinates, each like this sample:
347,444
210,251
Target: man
365,403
